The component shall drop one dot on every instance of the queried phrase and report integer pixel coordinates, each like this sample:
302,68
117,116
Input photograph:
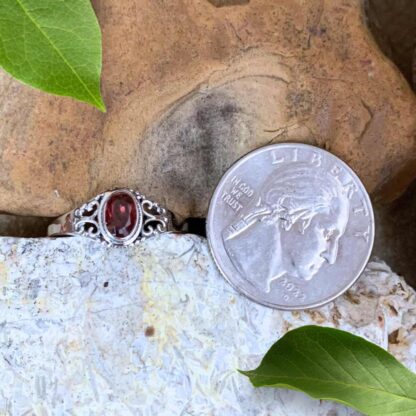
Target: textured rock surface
393,24
155,330
190,87
396,227
414,69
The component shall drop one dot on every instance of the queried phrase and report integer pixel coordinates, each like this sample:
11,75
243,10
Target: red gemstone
120,215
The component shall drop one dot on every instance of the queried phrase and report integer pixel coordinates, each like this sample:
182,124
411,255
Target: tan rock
191,87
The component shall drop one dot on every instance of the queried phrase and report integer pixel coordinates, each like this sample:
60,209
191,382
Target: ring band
119,217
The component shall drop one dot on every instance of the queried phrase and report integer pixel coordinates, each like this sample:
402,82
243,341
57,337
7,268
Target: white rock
155,330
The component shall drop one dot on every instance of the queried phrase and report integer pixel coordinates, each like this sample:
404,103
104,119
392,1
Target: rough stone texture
393,24
414,69
155,330
395,240
191,87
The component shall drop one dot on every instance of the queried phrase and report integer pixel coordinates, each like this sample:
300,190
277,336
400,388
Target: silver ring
119,217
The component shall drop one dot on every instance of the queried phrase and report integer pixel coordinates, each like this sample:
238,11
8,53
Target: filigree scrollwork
155,218
86,219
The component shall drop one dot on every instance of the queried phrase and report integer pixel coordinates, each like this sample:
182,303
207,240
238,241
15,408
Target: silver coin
291,226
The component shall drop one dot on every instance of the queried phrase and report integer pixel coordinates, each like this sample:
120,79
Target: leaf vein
337,382
331,356
19,2
367,370
388,371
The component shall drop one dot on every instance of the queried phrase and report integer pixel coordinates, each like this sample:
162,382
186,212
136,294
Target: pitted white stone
155,330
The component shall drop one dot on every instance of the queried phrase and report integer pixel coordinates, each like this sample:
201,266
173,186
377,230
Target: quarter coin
290,226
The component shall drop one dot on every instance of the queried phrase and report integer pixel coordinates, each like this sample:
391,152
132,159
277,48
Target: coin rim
214,196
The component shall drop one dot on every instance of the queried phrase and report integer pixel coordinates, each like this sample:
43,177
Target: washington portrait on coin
291,226
297,226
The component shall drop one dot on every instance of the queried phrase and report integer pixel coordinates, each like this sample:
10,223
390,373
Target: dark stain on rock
394,337
196,139
222,3
354,299
393,310
300,103
210,112
149,331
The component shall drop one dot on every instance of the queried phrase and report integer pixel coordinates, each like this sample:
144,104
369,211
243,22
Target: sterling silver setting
89,220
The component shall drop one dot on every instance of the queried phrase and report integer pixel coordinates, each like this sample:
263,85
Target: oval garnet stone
120,215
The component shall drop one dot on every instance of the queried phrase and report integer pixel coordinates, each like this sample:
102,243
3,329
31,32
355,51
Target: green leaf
330,364
53,45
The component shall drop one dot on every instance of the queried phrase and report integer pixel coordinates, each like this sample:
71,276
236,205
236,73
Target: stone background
392,23
71,311
156,330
